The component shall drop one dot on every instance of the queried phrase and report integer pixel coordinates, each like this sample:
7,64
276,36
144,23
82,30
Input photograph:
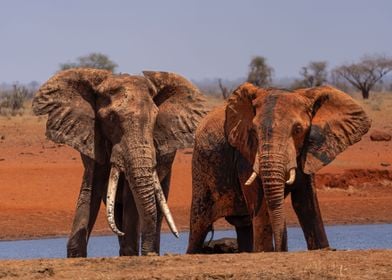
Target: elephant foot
152,254
77,245
75,255
328,249
128,252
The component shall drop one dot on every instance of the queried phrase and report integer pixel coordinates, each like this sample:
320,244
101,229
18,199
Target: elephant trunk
143,189
273,174
149,195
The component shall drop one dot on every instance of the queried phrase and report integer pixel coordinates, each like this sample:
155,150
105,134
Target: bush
12,101
93,60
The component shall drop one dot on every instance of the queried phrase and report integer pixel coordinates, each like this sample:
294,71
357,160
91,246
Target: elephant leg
165,183
200,223
164,167
262,230
130,242
197,235
89,200
244,231
244,238
306,206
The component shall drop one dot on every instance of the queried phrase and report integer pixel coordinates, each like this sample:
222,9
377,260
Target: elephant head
279,132
127,120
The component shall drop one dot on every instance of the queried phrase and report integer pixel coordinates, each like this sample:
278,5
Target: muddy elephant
127,130
258,147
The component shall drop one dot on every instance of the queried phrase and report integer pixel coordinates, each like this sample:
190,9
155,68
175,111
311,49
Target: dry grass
302,265
379,109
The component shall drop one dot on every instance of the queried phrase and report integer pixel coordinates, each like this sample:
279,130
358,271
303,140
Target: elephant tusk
163,205
251,179
111,199
291,180
255,170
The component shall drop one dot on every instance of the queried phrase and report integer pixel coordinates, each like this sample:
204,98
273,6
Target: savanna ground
40,181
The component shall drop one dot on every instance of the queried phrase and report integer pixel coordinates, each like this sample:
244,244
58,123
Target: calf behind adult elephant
127,129
261,145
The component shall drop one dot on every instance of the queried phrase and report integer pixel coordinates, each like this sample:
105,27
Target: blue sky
199,39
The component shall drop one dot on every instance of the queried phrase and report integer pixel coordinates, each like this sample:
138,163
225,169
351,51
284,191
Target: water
347,237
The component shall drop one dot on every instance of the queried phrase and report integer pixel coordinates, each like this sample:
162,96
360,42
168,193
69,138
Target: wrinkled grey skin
269,132
132,123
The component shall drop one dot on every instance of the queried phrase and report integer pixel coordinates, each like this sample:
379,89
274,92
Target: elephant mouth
256,167
111,199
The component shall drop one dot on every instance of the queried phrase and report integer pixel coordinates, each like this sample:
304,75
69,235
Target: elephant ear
239,120
337,122
181,107
68,98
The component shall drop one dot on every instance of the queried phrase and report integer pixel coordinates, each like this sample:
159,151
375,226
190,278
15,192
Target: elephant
261,145
127,129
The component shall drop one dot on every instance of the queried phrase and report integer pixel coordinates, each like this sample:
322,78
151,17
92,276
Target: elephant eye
297,129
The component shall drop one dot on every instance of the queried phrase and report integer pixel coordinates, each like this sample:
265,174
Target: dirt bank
304,265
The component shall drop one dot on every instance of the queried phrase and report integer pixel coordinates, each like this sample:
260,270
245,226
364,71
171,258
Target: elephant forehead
281,105
281,110
122,83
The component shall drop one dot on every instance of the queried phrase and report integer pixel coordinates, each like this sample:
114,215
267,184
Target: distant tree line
363,75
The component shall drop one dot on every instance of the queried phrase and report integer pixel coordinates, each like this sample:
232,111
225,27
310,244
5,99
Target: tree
93,60
365,74
315,74
339,82
260,73
224,90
